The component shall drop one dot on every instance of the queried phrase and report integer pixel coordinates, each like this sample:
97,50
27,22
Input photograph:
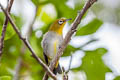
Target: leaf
90,28
39,9
65,11
12,48
69,49
36,44
18,20
1,18
36,2
3,69
39,2
9,31
46,18
5,78
117,78
93,65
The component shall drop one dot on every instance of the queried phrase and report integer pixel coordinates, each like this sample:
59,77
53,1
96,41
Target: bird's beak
68,19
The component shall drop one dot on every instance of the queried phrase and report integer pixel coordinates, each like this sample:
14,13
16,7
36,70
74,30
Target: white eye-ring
60,21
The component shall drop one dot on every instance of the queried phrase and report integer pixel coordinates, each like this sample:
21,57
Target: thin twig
9,5
70,33
28,45
70,62
29,32
65,73
65,76
18,66
45,77
90,41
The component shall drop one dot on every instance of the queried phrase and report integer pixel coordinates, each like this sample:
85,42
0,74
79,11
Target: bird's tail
57,69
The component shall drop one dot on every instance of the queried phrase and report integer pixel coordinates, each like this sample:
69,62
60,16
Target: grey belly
49,43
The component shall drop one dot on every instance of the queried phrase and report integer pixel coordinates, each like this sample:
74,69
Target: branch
17,68
9,5
65,73
22,51
28,45
90,41
70,33
29,32
71,57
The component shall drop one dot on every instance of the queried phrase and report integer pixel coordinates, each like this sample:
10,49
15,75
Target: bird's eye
60,21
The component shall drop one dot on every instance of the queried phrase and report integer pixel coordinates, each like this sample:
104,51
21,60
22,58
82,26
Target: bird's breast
51,43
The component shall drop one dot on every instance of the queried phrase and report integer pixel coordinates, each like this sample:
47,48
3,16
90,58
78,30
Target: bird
51,42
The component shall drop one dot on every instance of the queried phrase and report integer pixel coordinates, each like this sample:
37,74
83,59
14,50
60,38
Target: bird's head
58,25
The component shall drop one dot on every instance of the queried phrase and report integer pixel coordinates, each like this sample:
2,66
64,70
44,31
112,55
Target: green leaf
9,31
90,28
36,2
5,78
36,44
1,18
69,49
39,2
18,20
3,69
93,65
65,11
117,78
11,52
39,9
46,18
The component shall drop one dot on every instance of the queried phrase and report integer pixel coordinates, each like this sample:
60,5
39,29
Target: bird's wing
46,58
44,44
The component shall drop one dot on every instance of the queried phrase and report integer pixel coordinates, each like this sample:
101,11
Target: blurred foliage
117,78
65,11
39,2
10,32
107,12
93,64
69,49
89,28
11,54
16,53
5,78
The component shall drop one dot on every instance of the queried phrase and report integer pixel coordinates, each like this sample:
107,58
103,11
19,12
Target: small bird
51,42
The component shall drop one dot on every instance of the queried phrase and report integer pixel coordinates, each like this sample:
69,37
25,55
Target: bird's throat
57,30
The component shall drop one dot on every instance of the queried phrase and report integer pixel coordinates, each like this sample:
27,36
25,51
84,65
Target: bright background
104,52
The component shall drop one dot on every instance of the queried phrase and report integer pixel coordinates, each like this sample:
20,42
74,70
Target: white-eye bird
51,42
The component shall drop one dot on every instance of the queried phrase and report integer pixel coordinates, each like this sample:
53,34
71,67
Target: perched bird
51,42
